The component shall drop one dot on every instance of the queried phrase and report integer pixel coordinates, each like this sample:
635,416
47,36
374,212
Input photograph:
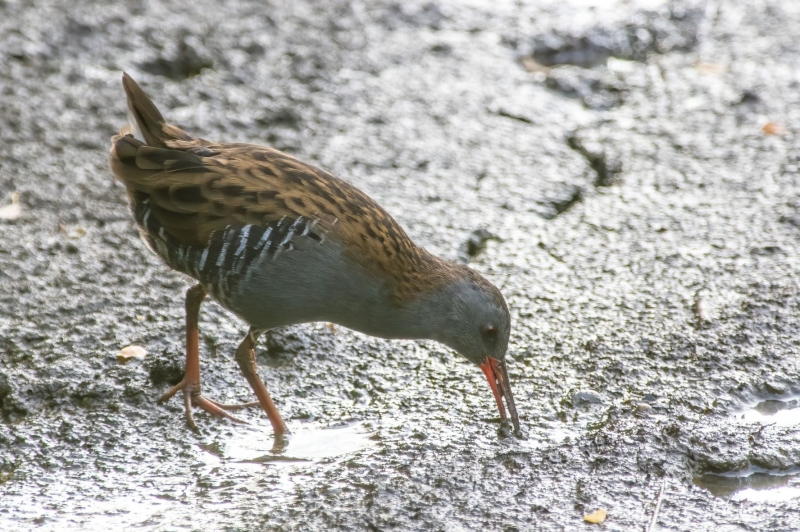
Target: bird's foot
193,397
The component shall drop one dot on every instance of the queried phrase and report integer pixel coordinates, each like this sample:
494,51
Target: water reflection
305,444
774,411
752,484
757,484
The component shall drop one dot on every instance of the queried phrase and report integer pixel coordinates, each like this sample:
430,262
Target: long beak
497,375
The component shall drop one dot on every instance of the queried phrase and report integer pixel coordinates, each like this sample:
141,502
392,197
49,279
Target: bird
278,242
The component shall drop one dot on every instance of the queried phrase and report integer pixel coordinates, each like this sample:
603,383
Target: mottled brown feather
198,187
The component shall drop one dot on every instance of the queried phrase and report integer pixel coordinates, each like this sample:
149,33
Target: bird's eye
490,332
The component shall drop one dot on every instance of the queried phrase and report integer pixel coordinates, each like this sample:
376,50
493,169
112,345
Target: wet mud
626,172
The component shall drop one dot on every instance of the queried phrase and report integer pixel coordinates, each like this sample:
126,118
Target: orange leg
246,357
190,384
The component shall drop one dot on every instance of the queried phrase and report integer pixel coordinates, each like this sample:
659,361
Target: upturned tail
146,123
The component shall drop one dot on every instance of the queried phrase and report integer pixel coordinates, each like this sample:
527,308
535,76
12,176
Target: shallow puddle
304,444
782,412
752,484
757,484
242,460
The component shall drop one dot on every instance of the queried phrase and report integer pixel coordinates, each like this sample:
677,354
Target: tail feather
147,124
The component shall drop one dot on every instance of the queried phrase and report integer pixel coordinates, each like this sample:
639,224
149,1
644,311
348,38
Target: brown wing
197,187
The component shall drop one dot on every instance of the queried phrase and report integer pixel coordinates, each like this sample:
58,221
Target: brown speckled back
197,188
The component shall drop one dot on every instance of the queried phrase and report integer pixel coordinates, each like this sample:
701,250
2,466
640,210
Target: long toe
213,408
193,398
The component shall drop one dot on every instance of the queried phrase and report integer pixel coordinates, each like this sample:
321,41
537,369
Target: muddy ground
627,172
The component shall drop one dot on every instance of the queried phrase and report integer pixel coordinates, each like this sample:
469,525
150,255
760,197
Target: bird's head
477,325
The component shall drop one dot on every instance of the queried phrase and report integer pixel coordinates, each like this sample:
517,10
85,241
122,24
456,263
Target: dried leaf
130,352
709,68
75,232
13,210
596,517
531,65
773,128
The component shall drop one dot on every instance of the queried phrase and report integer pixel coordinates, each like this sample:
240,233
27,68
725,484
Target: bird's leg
246,357
190,384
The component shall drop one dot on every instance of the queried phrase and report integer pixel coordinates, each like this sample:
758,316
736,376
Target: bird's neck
424,317
381,310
